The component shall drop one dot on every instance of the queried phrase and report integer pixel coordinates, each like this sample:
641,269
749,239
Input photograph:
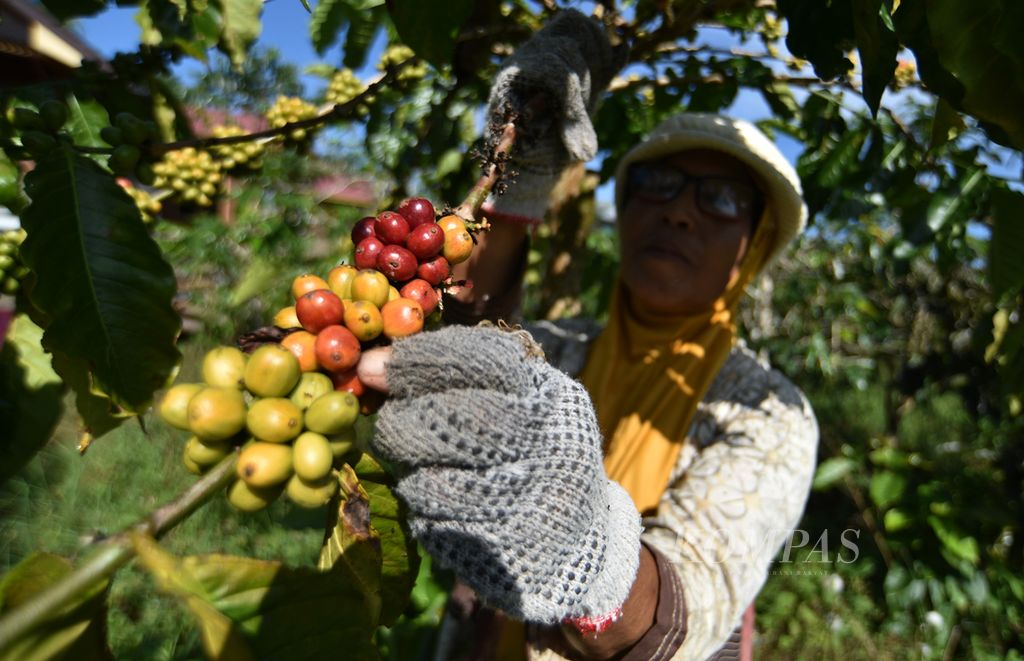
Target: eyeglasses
720,197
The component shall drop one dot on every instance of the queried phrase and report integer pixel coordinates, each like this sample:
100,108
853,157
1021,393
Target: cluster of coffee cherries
148,205
288,109
401,265
40,129
396,54
291,406
12,269
290,427
240,155
344,86
192,175
127,135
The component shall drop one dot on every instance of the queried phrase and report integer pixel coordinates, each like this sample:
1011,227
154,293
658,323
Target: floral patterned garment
737,492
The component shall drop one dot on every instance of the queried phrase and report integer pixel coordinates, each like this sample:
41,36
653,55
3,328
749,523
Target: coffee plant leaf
367,529
261,609
101,282
77,630
31,395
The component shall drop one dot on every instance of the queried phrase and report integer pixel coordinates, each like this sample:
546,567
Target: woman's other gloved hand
553,81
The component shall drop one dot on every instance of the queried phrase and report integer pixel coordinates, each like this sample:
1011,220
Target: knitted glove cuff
622,557
526,200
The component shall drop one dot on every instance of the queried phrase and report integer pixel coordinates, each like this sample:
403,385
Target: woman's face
678,252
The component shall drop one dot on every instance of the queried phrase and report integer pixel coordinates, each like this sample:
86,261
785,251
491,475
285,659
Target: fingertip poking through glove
498,457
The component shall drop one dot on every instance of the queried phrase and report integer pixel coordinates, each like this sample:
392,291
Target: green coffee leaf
367,537
896,520
970,55
259,609
241,26
326,22
31,396
877,46
954,541
102,285
75,631
886,488
1005,266
85,119
430,33
68,9
399,558
831,471
820,32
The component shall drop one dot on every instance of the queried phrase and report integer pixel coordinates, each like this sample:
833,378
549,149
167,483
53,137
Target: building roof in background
34,46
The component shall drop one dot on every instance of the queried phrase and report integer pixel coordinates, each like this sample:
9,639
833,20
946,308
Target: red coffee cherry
397,263
417,211
367,251
425,240
391,227
434,271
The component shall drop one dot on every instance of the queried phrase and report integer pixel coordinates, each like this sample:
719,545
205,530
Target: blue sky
285,27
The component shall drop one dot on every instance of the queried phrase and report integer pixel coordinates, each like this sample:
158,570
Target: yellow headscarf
647,373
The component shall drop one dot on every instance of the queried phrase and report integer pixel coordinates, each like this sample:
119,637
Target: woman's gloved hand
555,80
569,62
499,461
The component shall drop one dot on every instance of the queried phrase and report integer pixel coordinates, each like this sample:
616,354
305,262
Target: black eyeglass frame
755,200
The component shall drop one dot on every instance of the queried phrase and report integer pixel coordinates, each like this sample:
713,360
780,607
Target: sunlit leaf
259,275
10,185
887,487
400,560
241,27
76,631
896,520
352,545
85,119
957,543
367,529
261,609
831,471
31,396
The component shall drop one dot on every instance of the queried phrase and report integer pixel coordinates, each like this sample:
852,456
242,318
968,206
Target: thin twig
111,554
476,196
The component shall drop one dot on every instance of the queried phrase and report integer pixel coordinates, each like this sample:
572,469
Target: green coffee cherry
37,142
54,115
112,135
124,158
27,119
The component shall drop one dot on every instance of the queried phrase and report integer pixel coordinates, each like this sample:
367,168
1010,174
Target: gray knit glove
499,461
570,62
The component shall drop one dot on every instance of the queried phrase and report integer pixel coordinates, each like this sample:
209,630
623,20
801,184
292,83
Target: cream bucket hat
775,176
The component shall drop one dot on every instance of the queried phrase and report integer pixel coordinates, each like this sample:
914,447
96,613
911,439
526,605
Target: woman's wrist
525,202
